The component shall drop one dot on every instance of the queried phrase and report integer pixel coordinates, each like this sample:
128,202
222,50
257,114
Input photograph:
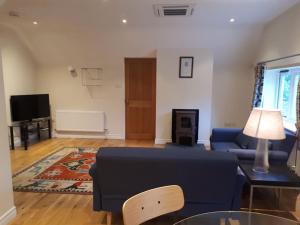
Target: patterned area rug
65,171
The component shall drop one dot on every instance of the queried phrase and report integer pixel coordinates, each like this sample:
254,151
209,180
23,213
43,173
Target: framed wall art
186,66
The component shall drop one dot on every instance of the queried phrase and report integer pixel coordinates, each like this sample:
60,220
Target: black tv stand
27,127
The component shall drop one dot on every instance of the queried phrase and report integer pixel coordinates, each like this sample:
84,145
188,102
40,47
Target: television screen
29,107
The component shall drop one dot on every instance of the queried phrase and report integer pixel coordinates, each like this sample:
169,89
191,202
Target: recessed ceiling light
124,21
232,20
35,22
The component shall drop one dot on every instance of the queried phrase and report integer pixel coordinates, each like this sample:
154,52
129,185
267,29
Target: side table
279,177
24,130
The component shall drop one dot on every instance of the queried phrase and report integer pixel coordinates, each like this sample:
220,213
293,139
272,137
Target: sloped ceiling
77,31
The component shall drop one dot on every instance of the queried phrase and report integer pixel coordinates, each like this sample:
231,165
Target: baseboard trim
91,136
8,216
205,142
161,141
116,136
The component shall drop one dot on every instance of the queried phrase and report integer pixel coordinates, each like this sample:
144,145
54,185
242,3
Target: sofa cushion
242,140
285,145
223,146
274,156
242,154
277,156
224,134
252,144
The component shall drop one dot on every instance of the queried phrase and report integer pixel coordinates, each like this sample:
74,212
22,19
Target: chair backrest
152,203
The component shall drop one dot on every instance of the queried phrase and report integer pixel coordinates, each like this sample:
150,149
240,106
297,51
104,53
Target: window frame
291,117
292,94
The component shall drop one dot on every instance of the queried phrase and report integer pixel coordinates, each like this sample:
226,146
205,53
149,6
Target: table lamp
264,124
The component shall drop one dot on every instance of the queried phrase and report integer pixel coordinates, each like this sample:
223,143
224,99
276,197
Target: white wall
232,84
173,92
232,79
281,38
231,100
19,68
232,95
68,93
7,208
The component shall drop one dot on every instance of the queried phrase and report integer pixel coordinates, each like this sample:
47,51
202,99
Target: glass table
236,218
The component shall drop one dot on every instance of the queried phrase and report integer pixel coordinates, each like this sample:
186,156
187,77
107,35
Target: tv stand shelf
27,127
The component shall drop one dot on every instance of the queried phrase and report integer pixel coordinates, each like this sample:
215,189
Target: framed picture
186,66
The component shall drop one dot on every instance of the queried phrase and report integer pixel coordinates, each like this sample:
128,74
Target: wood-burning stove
185,126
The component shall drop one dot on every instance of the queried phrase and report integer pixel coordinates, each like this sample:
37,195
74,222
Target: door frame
153,93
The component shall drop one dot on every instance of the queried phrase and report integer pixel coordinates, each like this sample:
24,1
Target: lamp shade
265,124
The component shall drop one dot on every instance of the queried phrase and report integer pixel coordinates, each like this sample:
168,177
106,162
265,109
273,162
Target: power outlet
230,124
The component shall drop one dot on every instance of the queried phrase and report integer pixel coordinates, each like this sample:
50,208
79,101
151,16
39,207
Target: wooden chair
152,203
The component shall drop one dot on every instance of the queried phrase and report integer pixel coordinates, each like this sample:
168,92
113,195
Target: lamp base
261,163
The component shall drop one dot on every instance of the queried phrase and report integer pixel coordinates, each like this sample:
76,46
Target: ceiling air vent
174,10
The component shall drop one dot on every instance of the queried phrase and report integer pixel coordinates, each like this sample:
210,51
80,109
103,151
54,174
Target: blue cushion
224,134
285,145
252,143
281,156
249,154
242,140
223,146
274,156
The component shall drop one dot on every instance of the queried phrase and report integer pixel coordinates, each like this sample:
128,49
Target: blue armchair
233,140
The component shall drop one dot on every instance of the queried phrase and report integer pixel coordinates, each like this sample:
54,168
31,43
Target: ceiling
99,13
94,17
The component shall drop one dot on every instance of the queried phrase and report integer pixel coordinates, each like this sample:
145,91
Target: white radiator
82,121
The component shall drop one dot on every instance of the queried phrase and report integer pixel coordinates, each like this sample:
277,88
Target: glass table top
236,218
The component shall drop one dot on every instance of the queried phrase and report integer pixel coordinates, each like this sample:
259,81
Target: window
280,91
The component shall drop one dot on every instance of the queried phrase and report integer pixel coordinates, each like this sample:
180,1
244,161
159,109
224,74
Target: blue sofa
233,140
210,180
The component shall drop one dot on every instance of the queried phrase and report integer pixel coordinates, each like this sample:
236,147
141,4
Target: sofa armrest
224,134
241,179
97,203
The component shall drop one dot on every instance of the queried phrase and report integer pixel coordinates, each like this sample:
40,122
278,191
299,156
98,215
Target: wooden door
140,98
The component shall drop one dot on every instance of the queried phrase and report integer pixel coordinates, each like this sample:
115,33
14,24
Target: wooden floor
69,209
59,209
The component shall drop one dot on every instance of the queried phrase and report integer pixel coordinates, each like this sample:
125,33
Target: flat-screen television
29,107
